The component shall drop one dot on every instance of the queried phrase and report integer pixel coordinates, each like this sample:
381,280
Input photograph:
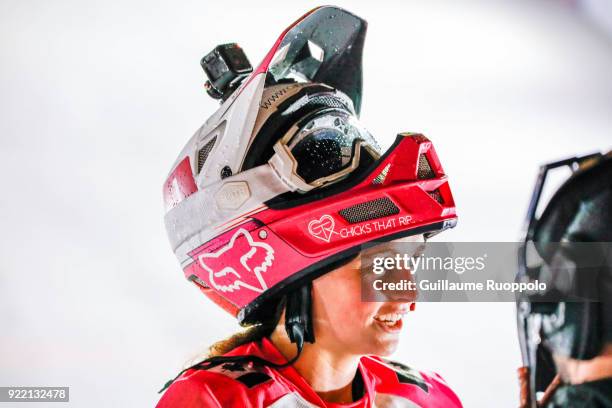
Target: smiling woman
346,366
259,203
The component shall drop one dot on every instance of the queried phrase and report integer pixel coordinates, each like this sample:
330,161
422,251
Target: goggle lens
327,145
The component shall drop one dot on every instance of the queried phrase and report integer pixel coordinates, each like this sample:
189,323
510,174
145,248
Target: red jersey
244,385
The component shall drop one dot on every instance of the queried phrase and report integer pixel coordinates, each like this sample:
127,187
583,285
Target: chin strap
298,324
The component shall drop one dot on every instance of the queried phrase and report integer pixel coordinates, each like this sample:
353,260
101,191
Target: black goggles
322,149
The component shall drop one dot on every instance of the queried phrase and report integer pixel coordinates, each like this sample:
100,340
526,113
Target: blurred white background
97,98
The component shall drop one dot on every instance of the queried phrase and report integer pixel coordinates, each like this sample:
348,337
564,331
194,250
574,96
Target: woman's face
345,324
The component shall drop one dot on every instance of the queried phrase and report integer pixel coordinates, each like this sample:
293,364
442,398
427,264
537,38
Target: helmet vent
436,196
425,171
331,101
204,152
370,210
382,175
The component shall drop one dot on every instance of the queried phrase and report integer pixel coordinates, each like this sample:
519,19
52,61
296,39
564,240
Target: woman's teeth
389,319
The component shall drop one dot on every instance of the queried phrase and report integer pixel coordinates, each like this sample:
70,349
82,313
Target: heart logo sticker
323,228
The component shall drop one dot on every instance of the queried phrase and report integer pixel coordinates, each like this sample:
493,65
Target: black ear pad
298,315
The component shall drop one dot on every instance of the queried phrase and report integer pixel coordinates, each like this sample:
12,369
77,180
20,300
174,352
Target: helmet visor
326,47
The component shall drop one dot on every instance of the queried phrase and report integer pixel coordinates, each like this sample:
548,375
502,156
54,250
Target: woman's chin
385,347
384,342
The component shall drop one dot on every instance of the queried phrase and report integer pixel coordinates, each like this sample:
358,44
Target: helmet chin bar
282,236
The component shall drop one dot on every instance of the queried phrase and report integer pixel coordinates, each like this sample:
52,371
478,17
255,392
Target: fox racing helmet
282,182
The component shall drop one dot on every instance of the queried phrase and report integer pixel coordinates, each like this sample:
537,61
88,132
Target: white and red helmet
282,182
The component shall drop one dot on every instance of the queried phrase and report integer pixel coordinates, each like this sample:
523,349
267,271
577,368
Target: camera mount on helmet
226,67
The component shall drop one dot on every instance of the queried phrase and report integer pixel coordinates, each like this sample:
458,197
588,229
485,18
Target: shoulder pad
245,372
405,374
421,388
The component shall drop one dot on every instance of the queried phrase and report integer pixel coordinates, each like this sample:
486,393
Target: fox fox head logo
239,264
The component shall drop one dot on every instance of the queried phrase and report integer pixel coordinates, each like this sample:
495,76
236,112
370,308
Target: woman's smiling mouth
390,322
